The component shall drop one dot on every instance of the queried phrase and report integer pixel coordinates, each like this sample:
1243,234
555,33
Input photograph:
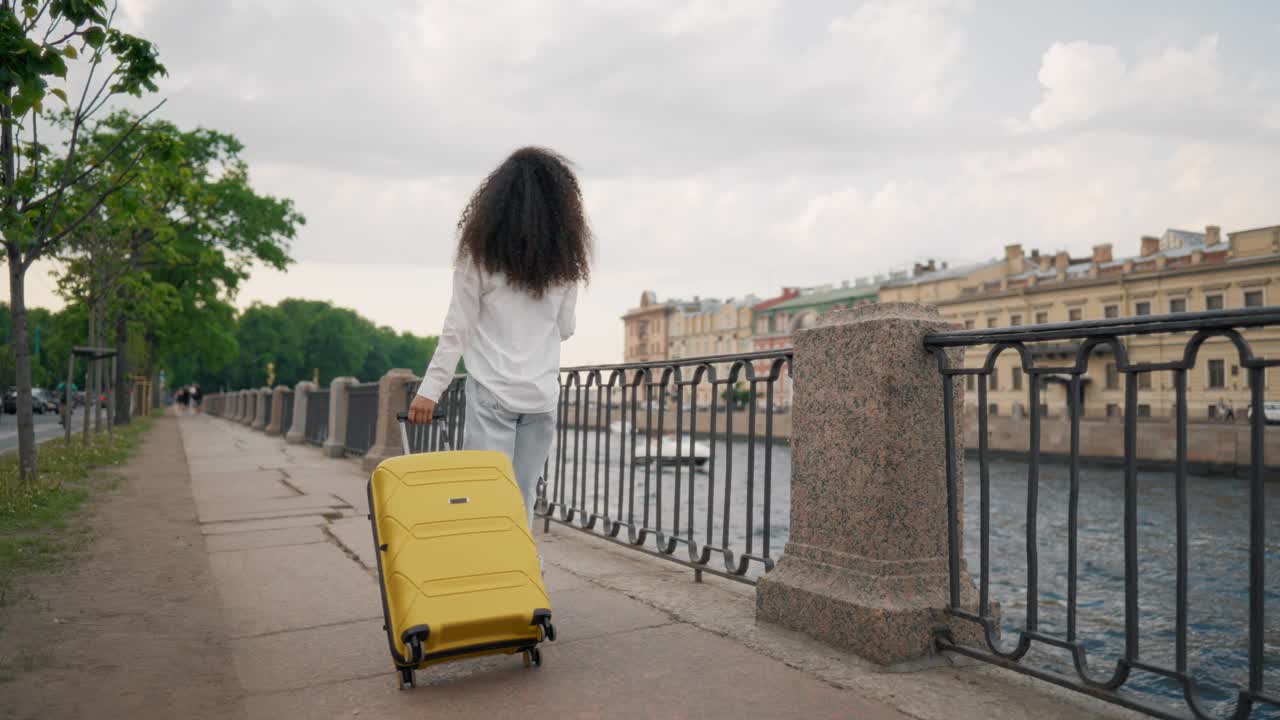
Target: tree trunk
22,370
122,371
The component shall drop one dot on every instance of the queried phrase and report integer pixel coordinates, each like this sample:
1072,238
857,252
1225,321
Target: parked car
1270,411
43,401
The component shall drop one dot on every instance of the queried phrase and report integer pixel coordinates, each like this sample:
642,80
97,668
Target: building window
1113,410
995,379
1144,381
993,409
969,383
1017,378
1113,377
968,324
1217,374
1213,411
1015,320
1142,308
1178,305
1111,311
1213,302
1044,410
1144,410
1253,298
1074,314
991,322
1042,318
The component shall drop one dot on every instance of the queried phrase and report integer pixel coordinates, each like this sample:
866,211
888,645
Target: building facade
1180,271
645,329
704,328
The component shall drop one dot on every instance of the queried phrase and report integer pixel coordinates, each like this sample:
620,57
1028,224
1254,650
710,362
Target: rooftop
819,296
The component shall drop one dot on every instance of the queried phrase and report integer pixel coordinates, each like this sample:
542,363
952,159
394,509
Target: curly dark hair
526,222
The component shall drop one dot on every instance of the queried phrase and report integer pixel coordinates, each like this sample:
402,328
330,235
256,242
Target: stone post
339,391
277,410
865,568
234,399
260,410
391,400
250,398
297,434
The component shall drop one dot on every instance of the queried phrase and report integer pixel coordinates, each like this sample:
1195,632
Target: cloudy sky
728,146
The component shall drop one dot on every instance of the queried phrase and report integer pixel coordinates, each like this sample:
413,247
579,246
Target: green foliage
301,335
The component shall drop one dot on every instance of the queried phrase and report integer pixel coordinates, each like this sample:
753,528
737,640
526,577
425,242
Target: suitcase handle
403,419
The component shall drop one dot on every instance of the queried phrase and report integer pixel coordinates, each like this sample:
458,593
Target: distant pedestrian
1222,409
1231,412
524,246
183,398
197,396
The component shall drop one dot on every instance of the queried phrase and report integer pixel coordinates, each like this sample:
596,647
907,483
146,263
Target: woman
524,246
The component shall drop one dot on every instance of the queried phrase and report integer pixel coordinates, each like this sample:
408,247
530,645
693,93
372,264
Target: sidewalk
290,550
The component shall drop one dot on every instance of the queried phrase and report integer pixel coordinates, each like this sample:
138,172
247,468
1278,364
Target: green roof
828,296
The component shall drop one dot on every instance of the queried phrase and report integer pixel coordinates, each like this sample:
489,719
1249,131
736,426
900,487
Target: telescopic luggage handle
403,418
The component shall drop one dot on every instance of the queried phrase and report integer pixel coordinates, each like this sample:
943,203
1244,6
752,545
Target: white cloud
1184,89
909,51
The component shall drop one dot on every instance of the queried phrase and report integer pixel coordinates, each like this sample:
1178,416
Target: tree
164,254
37,39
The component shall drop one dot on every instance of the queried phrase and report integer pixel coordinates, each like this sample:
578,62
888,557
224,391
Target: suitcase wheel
550,632
533,657
406,678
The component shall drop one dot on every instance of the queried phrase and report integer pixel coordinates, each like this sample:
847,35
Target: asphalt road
47,427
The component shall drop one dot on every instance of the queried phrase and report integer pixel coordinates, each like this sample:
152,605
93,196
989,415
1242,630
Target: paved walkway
291,556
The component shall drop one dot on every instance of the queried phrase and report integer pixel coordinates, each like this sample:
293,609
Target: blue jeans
525,438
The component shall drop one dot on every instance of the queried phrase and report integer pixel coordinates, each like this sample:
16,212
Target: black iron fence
1060,649
445,432
286,412
362,417
648,455
316,429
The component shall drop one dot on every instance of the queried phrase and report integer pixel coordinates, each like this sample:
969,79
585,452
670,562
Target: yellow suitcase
457,564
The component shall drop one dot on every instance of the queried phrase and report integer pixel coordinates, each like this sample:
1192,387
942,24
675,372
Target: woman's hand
421,410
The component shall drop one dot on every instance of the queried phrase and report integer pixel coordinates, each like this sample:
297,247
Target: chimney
1102,253
1061,261
1212,234
1150,245
1044,262
1012,251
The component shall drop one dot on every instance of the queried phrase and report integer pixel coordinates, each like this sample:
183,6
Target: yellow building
645,329
703,328
1180,271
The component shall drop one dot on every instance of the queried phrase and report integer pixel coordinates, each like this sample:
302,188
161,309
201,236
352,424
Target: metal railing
316,429
1042,639
673,458
362,417
286,413
445,432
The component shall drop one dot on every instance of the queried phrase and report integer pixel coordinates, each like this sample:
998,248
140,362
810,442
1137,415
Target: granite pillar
277,410
392,400
260,412
336,445
865,568
301,392
250,403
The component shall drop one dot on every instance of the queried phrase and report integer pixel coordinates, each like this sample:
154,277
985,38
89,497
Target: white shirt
510,339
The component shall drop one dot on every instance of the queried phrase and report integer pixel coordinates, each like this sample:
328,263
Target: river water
1218,537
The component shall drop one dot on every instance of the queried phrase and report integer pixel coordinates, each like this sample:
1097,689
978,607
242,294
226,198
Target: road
46,427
